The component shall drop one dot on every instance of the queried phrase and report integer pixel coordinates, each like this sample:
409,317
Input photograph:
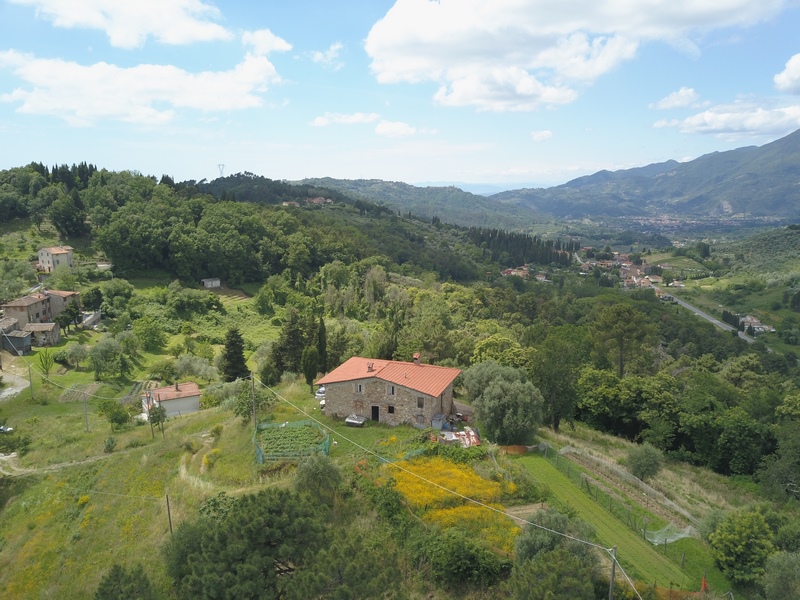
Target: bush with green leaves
645,461
741,545
781,579
109,444
122,584
318,476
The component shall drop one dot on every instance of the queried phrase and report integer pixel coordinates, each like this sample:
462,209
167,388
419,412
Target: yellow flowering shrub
493,527
419,482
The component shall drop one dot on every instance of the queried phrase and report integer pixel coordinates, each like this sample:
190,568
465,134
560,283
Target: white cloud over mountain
739,120
788,80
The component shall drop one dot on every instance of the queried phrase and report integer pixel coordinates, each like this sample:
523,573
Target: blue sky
502,92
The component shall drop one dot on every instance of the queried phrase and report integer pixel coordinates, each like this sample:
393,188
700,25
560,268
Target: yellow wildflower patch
425,483
491,526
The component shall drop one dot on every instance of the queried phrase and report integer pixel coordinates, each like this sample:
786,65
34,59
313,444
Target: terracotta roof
58,249
427,379
63,293
8,323
162,394
40,327
27,300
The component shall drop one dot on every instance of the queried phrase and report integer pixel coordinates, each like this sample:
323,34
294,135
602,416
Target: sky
503,93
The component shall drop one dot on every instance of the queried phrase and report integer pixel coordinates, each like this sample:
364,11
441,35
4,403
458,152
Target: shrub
190,445
216,432
109,444
211,458
645,461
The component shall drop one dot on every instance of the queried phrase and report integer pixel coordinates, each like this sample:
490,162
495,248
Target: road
712,320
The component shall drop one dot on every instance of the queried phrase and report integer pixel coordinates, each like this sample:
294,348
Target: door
376,413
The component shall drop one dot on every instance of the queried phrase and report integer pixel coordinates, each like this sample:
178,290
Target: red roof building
391,392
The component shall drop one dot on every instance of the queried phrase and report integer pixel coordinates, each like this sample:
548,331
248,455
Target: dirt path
9,465
13,384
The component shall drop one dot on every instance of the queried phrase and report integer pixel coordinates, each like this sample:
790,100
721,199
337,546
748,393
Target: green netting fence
291,440
603,488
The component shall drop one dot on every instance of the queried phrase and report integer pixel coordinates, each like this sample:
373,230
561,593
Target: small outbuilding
178,399
211,282
44,334
17,342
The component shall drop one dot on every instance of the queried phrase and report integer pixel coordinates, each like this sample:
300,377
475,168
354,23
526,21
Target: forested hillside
308,287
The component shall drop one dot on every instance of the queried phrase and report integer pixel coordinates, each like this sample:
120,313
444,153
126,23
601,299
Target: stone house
50,258
390,392
44,334
178,399
59,300
33,308
41,307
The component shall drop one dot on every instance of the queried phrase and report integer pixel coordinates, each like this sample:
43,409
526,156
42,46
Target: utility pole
85,414
613,572
30,378
169,515
255,420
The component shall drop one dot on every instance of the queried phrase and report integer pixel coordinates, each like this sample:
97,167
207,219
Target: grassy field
639,558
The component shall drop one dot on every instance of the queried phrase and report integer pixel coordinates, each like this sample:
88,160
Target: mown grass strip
637,556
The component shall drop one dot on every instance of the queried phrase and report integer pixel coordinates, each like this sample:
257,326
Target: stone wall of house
396,404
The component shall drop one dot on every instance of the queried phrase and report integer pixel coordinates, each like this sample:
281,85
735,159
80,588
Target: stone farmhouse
390,392
34,314
41,307
50,258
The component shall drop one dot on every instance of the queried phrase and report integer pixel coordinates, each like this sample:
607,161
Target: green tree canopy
507,405
618,333
232,365
741,545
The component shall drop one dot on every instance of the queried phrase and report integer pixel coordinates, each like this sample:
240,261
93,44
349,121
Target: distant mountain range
750,184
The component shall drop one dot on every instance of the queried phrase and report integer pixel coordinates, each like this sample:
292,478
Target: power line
609,551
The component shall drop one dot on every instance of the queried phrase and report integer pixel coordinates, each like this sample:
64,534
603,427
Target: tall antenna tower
221,170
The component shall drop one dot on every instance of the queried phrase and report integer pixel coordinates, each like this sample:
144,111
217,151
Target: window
390,390
391,409
420,402
359,388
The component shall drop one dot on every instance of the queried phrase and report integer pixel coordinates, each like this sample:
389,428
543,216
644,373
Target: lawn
637,556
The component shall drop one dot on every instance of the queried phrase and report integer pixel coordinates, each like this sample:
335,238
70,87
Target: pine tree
233,365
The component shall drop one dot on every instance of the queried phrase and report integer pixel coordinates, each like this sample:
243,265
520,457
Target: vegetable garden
290,440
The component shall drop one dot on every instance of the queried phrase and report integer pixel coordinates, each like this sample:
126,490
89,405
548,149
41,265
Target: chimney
369,367
416,358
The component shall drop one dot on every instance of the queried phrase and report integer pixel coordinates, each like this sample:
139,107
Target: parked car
4,429
320,395
355,420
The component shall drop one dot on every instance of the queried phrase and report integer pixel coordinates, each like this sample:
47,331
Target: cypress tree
233,365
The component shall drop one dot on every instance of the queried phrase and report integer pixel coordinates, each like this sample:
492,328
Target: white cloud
128,23
395,129
148,94
683,98
788,80
263,41
540,136
502,89
510,55
344,119
330,57
739,120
